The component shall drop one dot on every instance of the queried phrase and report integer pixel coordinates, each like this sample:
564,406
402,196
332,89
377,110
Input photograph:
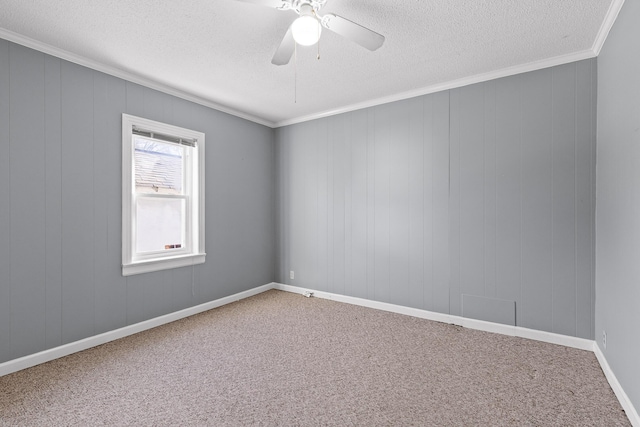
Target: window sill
162,264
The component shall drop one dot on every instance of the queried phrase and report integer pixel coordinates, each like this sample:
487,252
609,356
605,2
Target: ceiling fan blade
285,50
352,31
275,4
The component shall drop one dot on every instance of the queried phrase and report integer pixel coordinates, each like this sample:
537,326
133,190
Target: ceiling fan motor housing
306,29
306,10
300,6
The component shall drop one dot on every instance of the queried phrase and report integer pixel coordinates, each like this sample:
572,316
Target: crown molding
603,32
605,28
453,84
607,24
125,75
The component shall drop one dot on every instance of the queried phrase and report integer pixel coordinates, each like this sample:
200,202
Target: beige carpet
279,359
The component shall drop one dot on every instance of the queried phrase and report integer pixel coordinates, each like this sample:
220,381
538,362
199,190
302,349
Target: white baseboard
579,343
631,412
514,331
83,344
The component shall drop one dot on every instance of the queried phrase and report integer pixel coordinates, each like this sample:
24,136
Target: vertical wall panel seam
431,217
11,350
408,286
388,295
275,206
484,189
351,179
519,80
495,191
337,196
410,218
593,160
93,184
575,194
61,204
332,124
374,145
316,190
449,207
331,220
288,237
344,204
449,201
303,231
366,203
368,207
347,177
328,231
424,210
427,284
594,174
432,145
318,181
552,204
554,141
592,195
126,279
459,180
44,185
422,144
371,290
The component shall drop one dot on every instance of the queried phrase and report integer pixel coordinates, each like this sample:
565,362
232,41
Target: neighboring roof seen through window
158,167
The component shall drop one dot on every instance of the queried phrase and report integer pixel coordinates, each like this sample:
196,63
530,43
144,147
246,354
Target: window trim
196,217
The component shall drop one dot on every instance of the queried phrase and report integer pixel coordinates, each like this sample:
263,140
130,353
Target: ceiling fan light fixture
306,30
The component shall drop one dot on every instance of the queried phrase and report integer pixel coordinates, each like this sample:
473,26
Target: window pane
160,224
158,167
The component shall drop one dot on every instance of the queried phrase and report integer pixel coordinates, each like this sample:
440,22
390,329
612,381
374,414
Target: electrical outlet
292,275
604,339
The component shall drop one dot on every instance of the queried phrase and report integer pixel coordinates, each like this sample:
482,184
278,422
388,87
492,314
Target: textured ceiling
219,51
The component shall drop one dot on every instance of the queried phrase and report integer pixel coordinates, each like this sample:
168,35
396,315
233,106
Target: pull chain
295,67
318,58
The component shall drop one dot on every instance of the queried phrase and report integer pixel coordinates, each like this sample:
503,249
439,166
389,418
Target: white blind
189,142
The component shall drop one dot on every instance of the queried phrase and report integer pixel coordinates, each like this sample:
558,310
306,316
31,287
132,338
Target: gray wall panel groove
78,258
416,204
28,202
536,303
110,291
5,203
440,125
508,192
489,186
53,202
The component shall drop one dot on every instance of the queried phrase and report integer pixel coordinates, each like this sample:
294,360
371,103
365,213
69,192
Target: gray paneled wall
618,220
486,191
60,204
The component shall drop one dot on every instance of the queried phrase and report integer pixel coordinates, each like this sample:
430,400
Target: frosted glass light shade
306,30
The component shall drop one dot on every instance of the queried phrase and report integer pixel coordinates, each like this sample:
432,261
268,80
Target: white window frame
194,251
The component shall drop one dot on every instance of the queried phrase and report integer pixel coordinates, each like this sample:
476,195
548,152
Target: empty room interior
319,212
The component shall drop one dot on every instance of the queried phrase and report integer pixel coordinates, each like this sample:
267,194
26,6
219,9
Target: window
162,196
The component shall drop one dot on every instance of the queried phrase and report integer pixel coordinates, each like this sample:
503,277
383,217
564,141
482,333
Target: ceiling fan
306,29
